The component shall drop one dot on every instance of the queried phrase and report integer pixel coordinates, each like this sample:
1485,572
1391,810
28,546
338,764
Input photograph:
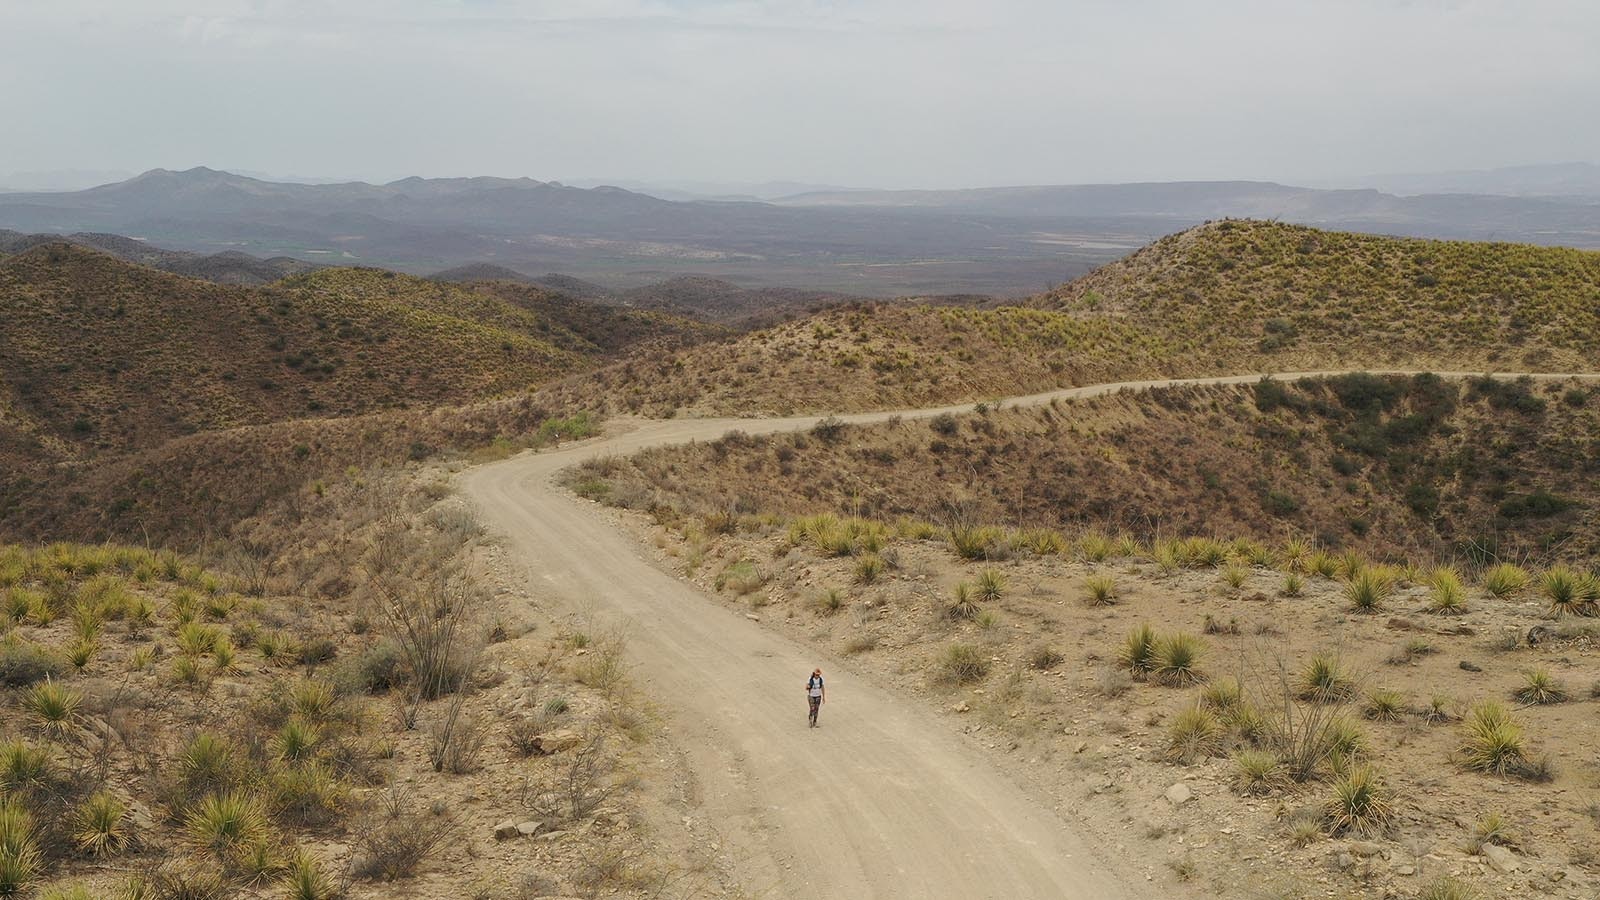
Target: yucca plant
1368,590
67,892
1233,575
830,601
20,858
1223,694
1360,803
1177,659
1446,595
207,763
1258,773
1138,652
1293,585
220,606
257,862
1565,589
223,822
87,621
81,652
1194,734
54,707
1504,579
1492,742
99,825
196,639
869,568
1384,705
223,656
1447,887
22,766
306,881
270,644
186,670
295,741
964,604
1438,710
1323,564
1094,546
1493,829
1296,554
991,586
1100,590
1540,687
1324,681
1344,741
1127,546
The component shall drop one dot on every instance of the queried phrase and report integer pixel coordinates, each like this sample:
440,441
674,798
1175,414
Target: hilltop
1222,298
227,267
1260,290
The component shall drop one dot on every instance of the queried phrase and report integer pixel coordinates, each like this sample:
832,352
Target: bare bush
396,842
577,786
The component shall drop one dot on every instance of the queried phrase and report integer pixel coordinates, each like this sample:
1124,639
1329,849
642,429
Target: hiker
816,694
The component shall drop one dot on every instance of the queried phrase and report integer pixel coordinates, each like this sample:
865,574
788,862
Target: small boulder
506,829
1467,666
1179,794
529,829
1504,861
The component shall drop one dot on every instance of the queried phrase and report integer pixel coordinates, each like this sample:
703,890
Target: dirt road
883,800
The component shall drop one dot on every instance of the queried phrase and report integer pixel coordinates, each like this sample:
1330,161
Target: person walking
816,694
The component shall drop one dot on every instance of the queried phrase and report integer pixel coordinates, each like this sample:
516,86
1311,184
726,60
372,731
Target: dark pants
816,704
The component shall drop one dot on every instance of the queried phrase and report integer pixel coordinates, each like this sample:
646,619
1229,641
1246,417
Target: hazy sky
894,93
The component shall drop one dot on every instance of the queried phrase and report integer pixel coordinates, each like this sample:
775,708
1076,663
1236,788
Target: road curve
882,801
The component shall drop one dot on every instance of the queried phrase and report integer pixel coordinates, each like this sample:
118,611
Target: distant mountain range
227,267
1569,181
995,240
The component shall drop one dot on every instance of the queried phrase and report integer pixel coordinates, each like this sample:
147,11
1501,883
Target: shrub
208,763
1094,546
1360,803
1438,710
1446,596
976,543
1447,887
99,827
1323,563
23,663
991,586
1043,658
963,664
964,605
1384,705
377,669
1323,680
1138,652
1194,734
1493,741
54,707
399,840
1177,657
830,601
1368,590
1099,590
1258,772
306,794
1504,579
1540,687
1568,592
223,822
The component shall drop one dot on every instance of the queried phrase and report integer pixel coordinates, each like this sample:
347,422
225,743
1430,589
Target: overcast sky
895,93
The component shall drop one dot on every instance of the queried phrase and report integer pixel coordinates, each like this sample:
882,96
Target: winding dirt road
883,800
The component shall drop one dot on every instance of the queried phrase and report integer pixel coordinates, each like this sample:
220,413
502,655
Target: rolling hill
98,355
227,267
1226,297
